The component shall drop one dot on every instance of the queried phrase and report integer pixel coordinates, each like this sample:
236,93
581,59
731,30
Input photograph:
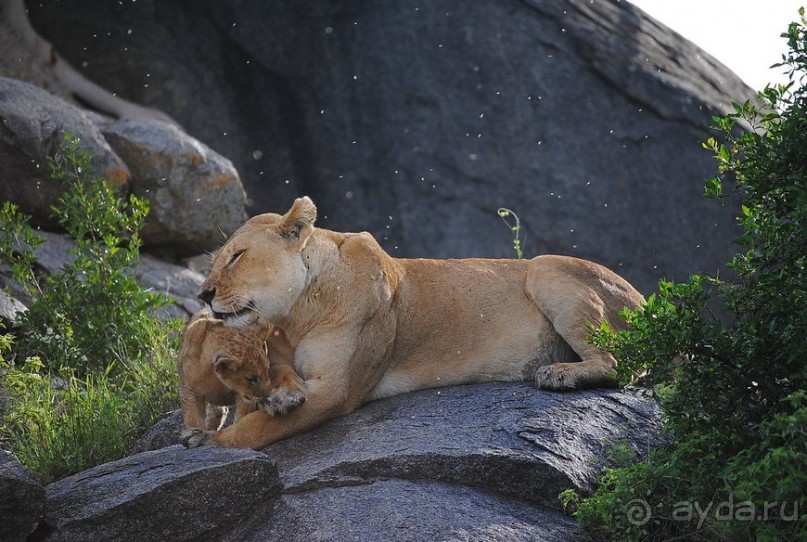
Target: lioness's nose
207,294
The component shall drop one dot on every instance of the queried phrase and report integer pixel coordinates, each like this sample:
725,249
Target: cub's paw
282,401
194,438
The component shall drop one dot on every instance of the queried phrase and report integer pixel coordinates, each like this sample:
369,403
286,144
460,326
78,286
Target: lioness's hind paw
194,438
283,401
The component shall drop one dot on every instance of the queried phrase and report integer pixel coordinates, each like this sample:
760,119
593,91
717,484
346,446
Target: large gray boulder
405,511
511,439
22,499
32,126
169,494
162,434
417,120
196,196
475,462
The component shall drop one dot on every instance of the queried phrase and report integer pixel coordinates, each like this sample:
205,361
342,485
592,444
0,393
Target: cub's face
260,271
245,371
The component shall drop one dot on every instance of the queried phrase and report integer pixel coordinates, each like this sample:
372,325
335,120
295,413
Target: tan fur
365,325
222,366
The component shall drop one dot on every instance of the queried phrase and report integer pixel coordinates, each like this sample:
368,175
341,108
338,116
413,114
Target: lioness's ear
298,224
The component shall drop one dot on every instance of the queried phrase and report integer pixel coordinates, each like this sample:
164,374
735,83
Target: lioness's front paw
282,401
193,438
575,376
560,376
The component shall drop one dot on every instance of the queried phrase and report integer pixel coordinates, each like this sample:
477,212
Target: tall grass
89,366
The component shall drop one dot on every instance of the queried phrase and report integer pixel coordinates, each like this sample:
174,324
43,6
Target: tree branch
15,15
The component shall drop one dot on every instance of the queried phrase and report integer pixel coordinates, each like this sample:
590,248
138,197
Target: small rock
176,281
9,308
162,434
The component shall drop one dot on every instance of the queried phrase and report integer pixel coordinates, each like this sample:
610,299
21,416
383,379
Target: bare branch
15,15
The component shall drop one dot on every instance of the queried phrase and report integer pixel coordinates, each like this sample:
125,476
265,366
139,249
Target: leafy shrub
90,364
733,396
84,316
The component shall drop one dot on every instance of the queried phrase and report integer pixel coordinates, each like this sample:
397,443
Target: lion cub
222,366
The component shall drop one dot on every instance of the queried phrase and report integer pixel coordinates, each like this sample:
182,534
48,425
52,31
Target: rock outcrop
171,494
196,195
475,462
9,308
415,121
32,124
22,500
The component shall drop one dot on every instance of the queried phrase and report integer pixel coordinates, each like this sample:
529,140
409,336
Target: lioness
222,366
365,325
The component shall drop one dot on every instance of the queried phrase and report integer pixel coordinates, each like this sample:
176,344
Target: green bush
734,397
90,365
93,311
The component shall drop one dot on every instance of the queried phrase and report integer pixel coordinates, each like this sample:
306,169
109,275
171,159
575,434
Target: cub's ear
223,363
297,225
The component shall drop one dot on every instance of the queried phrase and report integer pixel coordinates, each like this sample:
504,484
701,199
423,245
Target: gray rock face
22,500
195,193
415,121
32,123
476,462
175,281
404,511
9,308
162,434
506,438
169,494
